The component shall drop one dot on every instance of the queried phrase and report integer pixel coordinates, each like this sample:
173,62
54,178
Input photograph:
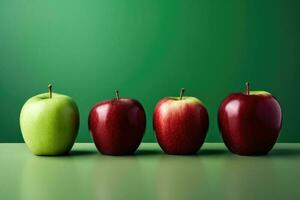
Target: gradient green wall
148,49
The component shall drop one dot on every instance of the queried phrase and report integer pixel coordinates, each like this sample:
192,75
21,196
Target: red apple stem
50,90
247,88
117,94
181,93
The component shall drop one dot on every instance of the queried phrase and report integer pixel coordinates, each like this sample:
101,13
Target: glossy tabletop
214,173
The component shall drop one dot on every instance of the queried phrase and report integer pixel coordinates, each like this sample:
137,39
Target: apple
117,126
250,122
180,124
49,123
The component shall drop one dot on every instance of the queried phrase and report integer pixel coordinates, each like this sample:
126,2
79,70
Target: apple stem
181,93
247,88
50,90
117,94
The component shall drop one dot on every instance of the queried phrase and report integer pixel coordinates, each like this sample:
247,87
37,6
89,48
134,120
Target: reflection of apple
244,178
117,126
183,177
51,178
119,178
49,123
250,123
180,124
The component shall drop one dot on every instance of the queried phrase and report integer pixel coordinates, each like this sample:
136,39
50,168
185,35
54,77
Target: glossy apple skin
180,129
250,124
117,126
49,126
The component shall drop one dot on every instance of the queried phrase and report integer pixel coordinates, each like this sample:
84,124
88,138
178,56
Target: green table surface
214,173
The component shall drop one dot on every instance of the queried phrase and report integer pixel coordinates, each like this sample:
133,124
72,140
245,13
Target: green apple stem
181,93
247,88
117,94
50,90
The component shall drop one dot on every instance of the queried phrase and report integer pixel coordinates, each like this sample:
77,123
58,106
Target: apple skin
49,125
180,125
117,126
250,123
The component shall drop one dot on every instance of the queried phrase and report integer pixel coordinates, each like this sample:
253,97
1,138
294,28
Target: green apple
49,123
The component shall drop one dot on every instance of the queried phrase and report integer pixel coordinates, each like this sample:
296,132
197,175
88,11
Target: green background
148,49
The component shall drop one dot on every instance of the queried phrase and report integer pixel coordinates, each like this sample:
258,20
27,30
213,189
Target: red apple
250,122
117,126
180,124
